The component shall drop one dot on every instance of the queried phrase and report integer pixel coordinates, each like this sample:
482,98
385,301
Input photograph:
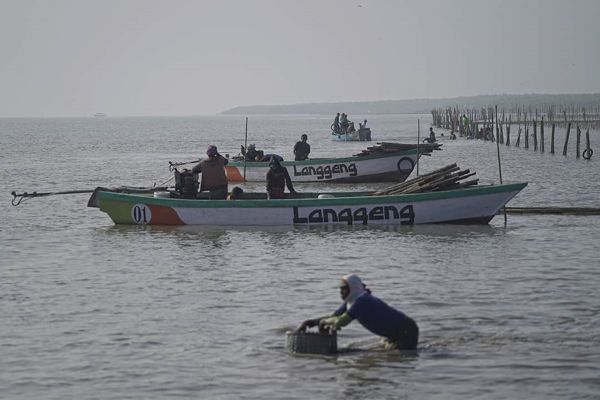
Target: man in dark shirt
302,149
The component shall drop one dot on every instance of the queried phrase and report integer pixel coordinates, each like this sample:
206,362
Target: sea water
97,311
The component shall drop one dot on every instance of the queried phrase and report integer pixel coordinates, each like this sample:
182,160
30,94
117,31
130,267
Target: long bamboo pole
245,148
499,164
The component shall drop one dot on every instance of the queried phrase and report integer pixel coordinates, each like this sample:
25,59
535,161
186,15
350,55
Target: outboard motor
186,184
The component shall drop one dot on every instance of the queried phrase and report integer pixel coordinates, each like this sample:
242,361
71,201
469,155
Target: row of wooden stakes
446,178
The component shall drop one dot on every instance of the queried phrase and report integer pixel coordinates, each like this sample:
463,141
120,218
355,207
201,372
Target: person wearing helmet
277,178
301,149
398,329
214,179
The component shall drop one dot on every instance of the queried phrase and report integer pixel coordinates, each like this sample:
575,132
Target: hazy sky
197,57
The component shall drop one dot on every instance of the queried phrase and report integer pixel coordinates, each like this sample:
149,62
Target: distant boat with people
343,130
100,115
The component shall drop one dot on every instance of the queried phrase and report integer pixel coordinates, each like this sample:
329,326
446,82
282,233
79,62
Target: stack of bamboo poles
446,178
388,147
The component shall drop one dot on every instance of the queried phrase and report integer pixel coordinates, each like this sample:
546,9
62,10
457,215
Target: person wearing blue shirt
399,330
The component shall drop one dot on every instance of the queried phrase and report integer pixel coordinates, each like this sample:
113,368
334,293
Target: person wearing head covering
277,178
398,329
302,149
214,179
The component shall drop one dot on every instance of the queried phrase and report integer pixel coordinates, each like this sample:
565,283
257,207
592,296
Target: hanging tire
405,165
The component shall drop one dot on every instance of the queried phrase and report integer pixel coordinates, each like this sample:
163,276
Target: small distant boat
100,115
471,205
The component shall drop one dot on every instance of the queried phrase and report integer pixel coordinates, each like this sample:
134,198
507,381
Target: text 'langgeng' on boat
441,196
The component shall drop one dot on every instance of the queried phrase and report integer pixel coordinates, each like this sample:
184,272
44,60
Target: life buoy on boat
406,165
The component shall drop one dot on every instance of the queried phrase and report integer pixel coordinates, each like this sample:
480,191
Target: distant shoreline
423,106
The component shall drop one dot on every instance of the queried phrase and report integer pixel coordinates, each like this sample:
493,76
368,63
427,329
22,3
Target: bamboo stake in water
499,165
418,140
542,135
577,152
567,139
552,141
245,148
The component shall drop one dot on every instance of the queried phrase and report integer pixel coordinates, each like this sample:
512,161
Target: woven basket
311,342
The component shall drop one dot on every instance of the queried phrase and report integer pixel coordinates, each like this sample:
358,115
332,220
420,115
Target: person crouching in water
399,330
277,178
214,178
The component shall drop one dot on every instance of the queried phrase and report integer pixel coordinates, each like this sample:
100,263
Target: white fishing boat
471,205
394,164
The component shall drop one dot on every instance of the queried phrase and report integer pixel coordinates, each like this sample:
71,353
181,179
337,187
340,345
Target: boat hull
384,167
347,137
476,205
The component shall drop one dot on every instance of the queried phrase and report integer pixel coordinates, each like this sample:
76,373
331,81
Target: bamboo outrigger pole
26,195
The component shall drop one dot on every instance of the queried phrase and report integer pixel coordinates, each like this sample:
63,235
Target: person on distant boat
431,138
249,153
302,149
277,178
351,127
400,332
336,124
344,123
364,133
214,179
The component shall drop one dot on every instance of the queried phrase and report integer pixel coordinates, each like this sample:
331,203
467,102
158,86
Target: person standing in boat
277,178
336,124
214,179
302,149
400,332
344,123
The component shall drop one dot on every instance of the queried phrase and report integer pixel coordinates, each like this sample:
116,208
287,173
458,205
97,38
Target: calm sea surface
90,310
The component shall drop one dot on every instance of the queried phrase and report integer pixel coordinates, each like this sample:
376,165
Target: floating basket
311,342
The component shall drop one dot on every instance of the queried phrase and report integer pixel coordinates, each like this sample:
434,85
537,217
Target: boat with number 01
471,205
391,163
